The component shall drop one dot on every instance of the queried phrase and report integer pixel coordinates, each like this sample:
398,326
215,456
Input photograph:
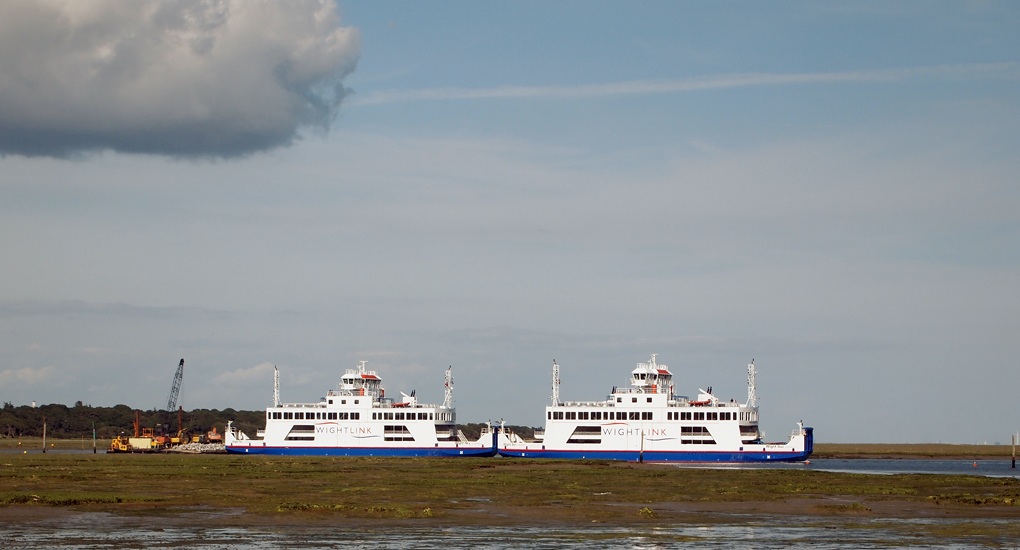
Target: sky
827,188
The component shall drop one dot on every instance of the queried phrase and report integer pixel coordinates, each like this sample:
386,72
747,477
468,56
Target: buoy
975,464
808,462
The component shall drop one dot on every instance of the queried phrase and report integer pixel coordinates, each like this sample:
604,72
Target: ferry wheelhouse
648,421
357,419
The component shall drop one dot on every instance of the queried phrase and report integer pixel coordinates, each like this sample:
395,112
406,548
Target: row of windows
273,415
701,416
599,415
344,401
633,400
397,433
401,416
635,415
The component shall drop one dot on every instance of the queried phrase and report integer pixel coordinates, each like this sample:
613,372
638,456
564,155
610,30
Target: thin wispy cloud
715,82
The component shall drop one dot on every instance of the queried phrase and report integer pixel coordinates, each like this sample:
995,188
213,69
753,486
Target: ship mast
556,384
448,400
752,398
276,386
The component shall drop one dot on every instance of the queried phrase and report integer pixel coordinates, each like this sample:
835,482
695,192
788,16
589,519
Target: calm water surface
886,466
106,531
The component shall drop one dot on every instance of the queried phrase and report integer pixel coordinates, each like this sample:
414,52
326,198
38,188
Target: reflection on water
105,531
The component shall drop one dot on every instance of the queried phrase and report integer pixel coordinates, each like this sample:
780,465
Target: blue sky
830,189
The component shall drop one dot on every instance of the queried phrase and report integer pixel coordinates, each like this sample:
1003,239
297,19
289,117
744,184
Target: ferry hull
780,453
254,447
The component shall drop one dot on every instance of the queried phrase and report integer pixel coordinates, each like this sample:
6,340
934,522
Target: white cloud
27,375
175,77
715,82
262,372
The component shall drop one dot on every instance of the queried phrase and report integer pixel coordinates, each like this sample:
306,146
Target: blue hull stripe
363,451
661,456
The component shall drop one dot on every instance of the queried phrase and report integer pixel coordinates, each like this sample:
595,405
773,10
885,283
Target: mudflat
247,490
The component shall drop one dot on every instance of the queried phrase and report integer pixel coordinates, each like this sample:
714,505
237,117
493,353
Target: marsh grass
407,487
921,450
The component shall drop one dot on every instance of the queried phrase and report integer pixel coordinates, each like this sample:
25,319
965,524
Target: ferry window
269,415
299,416
619,400
621,416
649,400
632,416
646,416
430,416
399,416
343,401
597,415
669,416
373,416
330,401
288,416
550,416
355,416
355,401
389,416
633,399
584,415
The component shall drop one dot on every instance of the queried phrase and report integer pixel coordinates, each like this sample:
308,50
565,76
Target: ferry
648,422
357,419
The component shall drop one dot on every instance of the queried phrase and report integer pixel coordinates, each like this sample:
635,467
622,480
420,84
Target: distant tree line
63,422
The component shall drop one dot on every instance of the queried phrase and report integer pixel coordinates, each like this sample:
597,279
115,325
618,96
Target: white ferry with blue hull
649,422
357,419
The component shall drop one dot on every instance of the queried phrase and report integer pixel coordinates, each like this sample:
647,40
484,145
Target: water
886,466
83,531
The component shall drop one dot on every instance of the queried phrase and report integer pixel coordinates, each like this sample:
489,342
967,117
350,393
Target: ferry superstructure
357,419
649,422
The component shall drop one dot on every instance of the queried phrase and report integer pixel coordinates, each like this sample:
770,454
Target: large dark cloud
174,77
